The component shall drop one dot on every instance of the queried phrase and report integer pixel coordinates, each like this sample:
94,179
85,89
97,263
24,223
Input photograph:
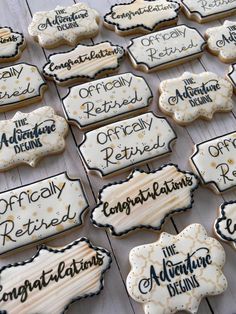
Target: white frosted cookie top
106,98
27,137
19,83
55,276
10,43
226,222
130,204
232,74
176,272
214,161
170,45
83,61
141,14
126,143
39,210
195,95
205,9
222,40
66,24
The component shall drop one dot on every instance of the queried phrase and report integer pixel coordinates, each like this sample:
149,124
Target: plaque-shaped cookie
55,276
166,48
28,137
232,75
98,102
124,144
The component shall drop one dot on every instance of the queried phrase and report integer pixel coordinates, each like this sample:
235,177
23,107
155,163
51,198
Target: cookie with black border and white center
225,224
20,85
28,137
64,25
203,11
221,41
57,276
231,76
11,44
175,272
83,63
122,145
105,100
214,162
40,210
166,48
192,96
141,16
144,200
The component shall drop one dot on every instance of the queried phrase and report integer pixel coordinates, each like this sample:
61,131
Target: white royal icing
174,273
221,40
64,24
54,278
20,83
144,200
214,161
208,9
165,48
83,62
39,210
126,143
232,75
11,43
191,96
225,224
28,137
105,99
142,15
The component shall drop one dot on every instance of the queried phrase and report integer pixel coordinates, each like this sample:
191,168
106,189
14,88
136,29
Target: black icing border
220,218
232,69
80,221
131,165
40,94
141,25
148,227
86,77
113,117
197,170
19,46
204,17
54,250
137,63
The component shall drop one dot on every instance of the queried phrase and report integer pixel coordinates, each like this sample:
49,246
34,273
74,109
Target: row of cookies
96,265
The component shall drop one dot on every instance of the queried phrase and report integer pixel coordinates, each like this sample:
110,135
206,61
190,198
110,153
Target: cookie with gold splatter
40,210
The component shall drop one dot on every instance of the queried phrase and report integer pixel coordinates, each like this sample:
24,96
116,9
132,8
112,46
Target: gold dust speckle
59,228
34,237
231,161
27,78
4,87
11,217
21,97
49,209
34,214
213,164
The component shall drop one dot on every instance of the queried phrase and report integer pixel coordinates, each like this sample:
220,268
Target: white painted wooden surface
114,298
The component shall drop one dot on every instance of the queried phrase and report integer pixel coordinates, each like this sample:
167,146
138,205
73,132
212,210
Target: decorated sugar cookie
203,11
20,84
214,162
28,137
144,200
232,75
225,224
11,44
37,211
166,48
141,16
83,63
221,41
106,99
124,144
193,96
64,25
55,276
174,273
